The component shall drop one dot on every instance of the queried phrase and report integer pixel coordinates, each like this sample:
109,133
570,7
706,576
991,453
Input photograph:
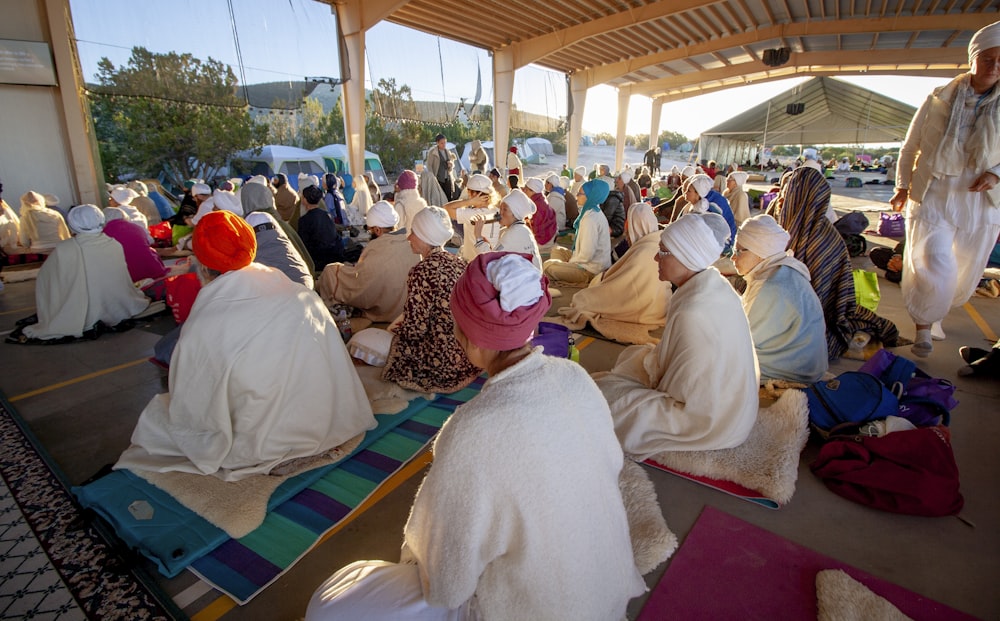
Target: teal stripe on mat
243,568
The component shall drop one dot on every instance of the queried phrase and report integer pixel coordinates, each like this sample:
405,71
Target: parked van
274,159
335,161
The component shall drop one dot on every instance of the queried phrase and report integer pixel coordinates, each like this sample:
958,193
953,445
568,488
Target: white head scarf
432,225
984,39
535,184
810,154
687,171
200,188
114,213
693,240
307,180
554,180
139,187
261,179
519,204
123,195
228,201
701,184
382,215
85,219
517,281
625,175
580,170
479,183
739,177
763,236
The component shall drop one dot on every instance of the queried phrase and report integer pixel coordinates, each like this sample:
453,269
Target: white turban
693,240
739,177
517,281
625,175
200,188
580,170
554,180
535,184
702,184
432,225
85,219
673,170
479,183
114,213
763,236
139,187
261,179
123,195
810,154
519,204
307,180
382,215
984,39
228,201
687,171
51,200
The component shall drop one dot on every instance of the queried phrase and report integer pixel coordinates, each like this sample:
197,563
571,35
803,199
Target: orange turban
224,242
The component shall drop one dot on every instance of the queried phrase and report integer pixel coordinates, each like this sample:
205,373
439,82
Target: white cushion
371,345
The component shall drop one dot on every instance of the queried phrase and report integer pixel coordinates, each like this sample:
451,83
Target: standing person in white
947,178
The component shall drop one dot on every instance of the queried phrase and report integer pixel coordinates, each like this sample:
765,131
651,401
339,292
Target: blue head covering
348,187
596,191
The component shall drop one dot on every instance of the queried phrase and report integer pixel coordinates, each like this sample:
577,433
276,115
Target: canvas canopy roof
833,112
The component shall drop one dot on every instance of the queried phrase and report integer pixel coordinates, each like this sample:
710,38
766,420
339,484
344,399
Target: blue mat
173,536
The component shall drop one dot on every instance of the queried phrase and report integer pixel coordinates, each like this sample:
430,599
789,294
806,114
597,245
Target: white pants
949,236
379,591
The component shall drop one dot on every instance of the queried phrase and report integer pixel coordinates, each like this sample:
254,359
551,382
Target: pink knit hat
407,180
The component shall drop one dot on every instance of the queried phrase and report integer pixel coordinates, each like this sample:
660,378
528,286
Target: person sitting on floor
676,396
274,248
739,202
84,282
318,232
253,200
143,203
376,284
260,375
496,536
407,200
556,197
543,221
424,354
702,198
515,236
801,210
10,226
142,261
591,253
286,200
122,198
477,201
41,227
786,319
625,302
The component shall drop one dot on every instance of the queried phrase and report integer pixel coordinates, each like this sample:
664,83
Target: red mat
729,487
729,569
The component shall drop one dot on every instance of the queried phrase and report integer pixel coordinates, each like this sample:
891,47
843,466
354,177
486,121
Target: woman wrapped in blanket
516,518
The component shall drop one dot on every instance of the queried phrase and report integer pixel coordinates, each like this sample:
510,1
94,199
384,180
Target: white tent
540,145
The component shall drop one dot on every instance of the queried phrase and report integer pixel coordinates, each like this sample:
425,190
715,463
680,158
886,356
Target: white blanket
259,376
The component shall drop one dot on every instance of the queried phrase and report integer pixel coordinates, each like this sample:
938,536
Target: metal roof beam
606,73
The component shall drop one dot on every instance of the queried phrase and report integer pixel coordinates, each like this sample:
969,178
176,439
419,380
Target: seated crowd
460,270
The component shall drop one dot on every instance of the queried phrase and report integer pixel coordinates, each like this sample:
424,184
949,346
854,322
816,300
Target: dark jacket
614,210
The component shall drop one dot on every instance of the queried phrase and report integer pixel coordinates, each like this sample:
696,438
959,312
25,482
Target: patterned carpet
54,564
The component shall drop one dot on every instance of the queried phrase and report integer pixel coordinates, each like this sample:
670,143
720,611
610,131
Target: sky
292,39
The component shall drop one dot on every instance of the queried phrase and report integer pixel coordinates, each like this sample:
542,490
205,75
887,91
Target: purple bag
554,339
923,400
891,225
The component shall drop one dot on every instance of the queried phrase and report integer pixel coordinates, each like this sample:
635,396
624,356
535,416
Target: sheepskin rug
768,462
652,540
842,598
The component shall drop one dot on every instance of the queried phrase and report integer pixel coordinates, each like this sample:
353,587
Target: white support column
350,19
80,138
503,94
654,122
624,96
578,86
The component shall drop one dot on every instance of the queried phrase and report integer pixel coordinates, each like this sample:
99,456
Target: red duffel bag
911,472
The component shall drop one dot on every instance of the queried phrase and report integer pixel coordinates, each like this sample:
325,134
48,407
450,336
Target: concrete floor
90,395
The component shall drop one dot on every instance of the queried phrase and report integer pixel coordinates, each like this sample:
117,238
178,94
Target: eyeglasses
663,253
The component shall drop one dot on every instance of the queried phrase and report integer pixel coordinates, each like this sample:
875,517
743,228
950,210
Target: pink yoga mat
730,569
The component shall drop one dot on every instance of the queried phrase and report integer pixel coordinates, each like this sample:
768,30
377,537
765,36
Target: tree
390,129
170,113
675,139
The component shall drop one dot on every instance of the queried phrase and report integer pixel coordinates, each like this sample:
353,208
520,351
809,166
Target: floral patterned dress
425,355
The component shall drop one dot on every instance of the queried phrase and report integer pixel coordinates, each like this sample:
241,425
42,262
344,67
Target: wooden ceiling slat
932,7
712,22
732,14
693,26
767,9
746,11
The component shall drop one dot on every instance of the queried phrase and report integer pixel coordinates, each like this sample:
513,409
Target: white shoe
937,332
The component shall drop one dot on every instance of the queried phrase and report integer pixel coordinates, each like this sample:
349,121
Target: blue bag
851,398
